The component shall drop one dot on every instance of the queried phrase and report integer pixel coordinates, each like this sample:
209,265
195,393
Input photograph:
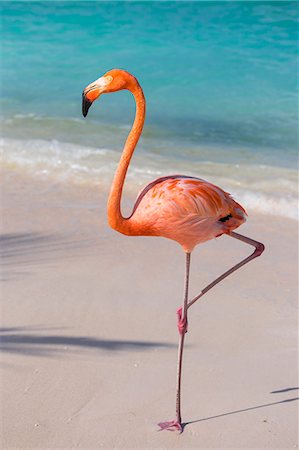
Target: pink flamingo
183,208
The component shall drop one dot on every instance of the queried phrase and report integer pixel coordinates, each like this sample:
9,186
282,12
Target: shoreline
261,196
89,330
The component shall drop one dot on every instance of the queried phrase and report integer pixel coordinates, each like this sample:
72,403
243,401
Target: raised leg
182,326
259,248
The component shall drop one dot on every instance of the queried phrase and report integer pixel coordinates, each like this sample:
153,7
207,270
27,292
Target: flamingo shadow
251,408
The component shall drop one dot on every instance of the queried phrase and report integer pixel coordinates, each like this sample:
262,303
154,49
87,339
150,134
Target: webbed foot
172,425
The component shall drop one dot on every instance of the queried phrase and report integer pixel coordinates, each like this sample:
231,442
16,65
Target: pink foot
173,425
182,323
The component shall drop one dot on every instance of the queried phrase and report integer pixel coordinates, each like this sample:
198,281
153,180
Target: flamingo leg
182,326
183,323
259,248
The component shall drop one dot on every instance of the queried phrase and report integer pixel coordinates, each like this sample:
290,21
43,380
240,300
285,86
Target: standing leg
182,326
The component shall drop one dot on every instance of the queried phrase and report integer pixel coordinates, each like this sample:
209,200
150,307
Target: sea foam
260,188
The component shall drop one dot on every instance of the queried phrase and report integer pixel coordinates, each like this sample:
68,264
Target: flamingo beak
86,104
89,95
93,91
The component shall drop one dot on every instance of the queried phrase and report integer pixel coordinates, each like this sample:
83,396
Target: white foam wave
265,189
265,204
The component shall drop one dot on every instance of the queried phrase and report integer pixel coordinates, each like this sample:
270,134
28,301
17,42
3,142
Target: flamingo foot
182,323
172,425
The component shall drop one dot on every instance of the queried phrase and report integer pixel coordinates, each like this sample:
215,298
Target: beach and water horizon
221,94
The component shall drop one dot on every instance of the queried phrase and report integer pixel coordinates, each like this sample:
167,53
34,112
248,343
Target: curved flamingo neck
115,218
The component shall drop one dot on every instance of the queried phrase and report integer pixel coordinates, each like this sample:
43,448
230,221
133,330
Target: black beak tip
86,104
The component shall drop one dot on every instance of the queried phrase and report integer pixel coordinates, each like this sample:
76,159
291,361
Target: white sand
89,332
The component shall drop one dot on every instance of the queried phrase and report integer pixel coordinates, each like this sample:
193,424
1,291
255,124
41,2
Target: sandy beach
88,333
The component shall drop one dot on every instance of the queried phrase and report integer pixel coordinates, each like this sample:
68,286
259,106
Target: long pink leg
182,319
259,248
177,423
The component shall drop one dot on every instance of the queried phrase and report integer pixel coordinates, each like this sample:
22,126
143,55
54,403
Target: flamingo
183,208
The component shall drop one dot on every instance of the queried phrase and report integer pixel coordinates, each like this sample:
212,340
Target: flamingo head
112,81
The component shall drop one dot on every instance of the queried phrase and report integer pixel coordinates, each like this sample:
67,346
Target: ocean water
220,79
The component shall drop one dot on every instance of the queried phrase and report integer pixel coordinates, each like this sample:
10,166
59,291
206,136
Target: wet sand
88,330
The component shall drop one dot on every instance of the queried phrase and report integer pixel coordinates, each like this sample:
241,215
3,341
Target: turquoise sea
220,79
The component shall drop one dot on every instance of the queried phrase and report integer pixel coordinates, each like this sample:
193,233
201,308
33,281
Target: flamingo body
185,209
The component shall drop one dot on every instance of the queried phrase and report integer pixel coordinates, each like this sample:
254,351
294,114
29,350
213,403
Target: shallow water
220,81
